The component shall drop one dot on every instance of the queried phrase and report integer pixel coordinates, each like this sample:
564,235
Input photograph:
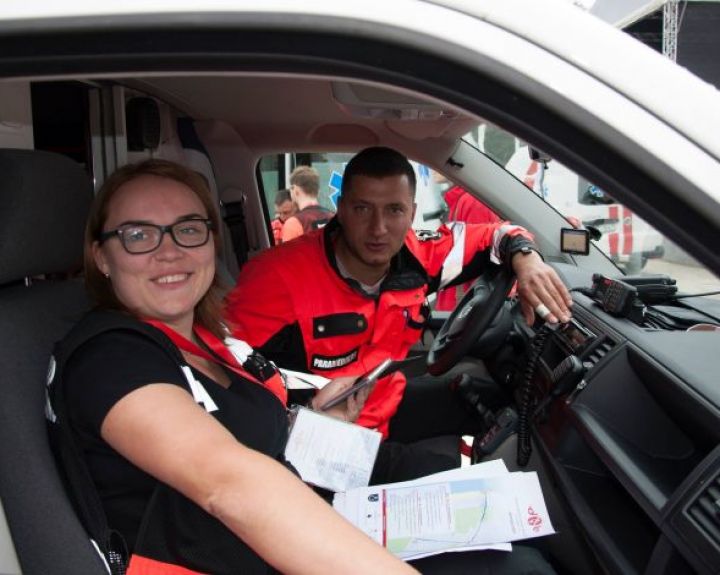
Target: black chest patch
338,324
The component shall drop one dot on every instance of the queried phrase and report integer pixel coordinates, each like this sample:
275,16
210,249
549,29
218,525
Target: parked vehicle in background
626,238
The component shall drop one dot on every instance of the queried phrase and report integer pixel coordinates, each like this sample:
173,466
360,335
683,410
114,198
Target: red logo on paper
534,519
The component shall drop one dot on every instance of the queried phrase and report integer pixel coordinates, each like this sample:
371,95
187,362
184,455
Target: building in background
688,31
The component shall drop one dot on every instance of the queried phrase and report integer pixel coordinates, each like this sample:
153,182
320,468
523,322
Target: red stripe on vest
145,566
223,355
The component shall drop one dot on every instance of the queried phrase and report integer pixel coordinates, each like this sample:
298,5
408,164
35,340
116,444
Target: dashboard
634,444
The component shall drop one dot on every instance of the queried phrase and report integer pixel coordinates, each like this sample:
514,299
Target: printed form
330,453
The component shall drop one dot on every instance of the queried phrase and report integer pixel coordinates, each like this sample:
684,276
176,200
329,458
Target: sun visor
374,102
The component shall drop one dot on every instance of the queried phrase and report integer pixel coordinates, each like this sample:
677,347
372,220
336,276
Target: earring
107,275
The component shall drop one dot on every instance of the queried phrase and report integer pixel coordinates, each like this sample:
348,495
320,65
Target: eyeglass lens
138,238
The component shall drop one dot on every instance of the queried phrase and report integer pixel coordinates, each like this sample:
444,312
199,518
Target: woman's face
168,282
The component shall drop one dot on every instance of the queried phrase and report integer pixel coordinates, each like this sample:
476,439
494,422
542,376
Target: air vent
705,511
598,351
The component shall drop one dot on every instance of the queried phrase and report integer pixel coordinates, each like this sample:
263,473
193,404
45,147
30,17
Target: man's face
285,210
375,215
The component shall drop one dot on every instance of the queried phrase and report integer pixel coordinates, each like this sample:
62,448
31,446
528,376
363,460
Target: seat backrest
44,200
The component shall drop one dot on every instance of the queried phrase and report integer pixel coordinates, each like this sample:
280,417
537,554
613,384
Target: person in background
284,208
187,453
310,215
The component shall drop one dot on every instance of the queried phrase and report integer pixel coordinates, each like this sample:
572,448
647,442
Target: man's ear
414,210
100,259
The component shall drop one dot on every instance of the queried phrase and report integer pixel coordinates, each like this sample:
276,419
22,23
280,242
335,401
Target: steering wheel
470,318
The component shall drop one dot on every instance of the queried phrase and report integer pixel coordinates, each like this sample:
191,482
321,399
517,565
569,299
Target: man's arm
462,251
260,305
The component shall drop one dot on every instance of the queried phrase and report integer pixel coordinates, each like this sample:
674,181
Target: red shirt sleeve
471,210
292,228
441,251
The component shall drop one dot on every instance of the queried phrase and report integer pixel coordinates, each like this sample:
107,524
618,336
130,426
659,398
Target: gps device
574,241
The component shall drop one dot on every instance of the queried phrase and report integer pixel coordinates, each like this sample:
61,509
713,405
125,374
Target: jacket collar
405,273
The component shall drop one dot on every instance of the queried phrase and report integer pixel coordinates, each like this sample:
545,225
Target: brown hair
208,311
282,196
306,178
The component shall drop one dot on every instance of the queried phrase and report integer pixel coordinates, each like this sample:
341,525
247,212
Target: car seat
44,200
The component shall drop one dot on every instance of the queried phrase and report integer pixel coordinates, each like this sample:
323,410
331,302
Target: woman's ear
100,259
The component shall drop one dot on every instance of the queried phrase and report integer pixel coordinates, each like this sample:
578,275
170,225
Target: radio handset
565,377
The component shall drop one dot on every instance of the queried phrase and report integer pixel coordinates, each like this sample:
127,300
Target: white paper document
331,453
459,510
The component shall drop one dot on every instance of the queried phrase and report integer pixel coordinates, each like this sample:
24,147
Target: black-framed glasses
143,238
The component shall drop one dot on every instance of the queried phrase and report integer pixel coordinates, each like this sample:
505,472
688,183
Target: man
284,208
304,190
341,300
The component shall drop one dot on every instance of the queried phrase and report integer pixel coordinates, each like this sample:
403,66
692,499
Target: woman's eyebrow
192,216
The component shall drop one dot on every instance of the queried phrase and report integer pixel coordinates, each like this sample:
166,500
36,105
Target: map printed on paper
422,519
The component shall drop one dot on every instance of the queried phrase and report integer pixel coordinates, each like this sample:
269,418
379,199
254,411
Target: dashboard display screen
575,336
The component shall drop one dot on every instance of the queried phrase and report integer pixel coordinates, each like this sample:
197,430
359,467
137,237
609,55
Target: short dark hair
378,162
208,311
282,196
307,178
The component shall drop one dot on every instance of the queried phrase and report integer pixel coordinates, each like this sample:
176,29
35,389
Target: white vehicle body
626,460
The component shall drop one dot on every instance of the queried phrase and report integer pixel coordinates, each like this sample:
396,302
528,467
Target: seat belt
233,214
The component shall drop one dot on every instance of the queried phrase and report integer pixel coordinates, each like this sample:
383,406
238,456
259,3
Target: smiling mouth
171,279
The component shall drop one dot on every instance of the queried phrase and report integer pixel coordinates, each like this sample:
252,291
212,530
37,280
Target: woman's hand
350,408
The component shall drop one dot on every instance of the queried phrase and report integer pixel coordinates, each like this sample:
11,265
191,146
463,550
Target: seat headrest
44,202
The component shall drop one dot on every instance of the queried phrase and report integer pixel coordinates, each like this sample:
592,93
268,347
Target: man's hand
539,284
349,410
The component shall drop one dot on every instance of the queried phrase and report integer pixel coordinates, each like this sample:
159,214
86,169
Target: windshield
632,244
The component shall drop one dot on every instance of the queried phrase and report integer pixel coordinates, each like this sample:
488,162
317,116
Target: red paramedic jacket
293,306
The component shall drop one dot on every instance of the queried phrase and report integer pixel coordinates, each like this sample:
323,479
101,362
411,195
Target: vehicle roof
672,93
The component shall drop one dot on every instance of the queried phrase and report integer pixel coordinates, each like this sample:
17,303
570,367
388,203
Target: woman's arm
163,431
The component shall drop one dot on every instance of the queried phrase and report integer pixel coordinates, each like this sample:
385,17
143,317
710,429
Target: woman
189,470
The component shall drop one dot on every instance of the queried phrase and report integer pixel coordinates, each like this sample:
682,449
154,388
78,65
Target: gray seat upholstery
44,199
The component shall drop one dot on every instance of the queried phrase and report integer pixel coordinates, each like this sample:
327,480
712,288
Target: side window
61,121
431,208
275,173
272,178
